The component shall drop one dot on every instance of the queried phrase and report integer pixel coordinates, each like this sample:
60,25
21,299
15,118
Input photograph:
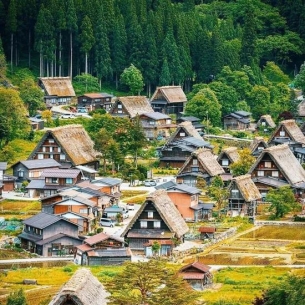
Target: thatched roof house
130,106
82,289
247,188
266,121
257,146
168,99
157,209
70,144
288,131
201,163
185,129
280,160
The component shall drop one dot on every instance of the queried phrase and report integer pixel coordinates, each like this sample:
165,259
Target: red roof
201,267
83,247
207,229
192,276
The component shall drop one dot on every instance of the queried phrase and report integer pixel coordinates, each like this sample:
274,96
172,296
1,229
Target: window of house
260,147
263,123
282,133
151,122
20,173
62,157
275,173
69,180
260,173
51,156
83,211
51,140
119,106
40,156
157,224
225,162
195,169
44,149
182,134
59,149
150,214
107,99
120,111
195,162
52,180
143,224
84,100
234,193
51,149
168,121
268,164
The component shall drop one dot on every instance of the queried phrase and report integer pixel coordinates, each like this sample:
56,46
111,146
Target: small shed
197,275
207,232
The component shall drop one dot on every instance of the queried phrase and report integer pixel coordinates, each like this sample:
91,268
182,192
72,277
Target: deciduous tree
243,164
132,77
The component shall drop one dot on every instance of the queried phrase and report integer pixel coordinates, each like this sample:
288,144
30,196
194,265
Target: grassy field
239,285
278,232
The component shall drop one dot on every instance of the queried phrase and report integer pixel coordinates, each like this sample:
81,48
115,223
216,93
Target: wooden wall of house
65,242
173,164
109,243
183,202
61,226
102,261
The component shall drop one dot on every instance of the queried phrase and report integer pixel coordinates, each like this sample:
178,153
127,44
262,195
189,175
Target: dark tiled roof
43,220
56,237
270,181
156,115
146,233
110,252
43,163
202,206
36,184
189,118
165,186
108,181
60,173
30,237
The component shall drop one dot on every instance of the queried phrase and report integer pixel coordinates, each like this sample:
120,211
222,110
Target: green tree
132,77
16,298
149,283
11,25
243,164
32,96
218,192
274,74
2,63
282,201
259,101
205,105
87,39
299,80
165,77
13,120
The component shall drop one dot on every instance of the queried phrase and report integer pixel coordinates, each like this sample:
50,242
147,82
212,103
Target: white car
67,116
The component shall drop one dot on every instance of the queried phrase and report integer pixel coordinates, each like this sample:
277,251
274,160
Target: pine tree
11,25
165,76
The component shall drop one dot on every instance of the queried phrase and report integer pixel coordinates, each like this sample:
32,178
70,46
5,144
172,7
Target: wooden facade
238,120
94,101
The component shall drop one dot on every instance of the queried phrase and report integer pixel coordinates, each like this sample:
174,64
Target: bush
67,269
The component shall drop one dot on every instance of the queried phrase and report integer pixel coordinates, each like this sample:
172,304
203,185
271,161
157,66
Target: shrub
67,269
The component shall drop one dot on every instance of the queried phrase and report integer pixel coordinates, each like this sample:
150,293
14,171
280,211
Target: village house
227,157
196,122
186,200
156,125
102,249
49,235
52,180
82,289
243,196
266,123
207,232
257,146
94,101
32,169
7,182
69,145
237,120
78,210
168,100
157,220
36,124
200,164
130,106
57,90
197,275
181,144
276,166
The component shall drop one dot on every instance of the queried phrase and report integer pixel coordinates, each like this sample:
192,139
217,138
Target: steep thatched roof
292,129
189,130
231,153
82,289
58,86
166,209
256,142
207,160
74,141
134,105
172,94
268,120
247,188
286,162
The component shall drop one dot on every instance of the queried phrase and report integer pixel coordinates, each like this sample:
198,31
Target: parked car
130,206
67,116
82,110
107,222
150,183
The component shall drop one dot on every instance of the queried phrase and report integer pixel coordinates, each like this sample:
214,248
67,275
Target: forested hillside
171,42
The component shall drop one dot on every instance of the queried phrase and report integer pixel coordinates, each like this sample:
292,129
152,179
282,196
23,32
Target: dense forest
228,55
